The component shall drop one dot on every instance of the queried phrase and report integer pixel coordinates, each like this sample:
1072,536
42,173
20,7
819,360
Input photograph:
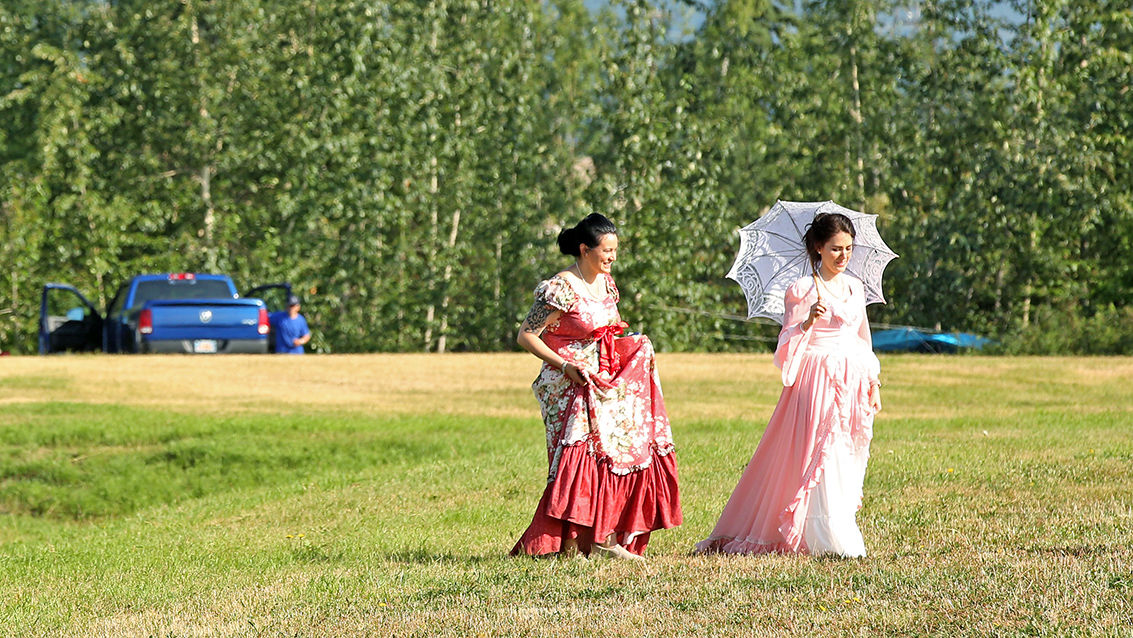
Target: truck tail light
263,326
145,322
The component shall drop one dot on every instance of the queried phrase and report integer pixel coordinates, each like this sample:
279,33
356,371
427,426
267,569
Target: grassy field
379,495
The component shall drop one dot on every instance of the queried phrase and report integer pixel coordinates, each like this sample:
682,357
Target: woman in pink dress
802,489
613,474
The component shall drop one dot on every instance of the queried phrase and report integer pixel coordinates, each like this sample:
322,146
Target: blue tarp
912,340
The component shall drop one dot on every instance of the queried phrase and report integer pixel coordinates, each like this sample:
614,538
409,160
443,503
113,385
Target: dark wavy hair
819,231
589,231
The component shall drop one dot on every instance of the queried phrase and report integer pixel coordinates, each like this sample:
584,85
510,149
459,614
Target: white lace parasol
773,255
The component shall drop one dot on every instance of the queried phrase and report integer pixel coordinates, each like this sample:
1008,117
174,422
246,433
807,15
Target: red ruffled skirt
586,502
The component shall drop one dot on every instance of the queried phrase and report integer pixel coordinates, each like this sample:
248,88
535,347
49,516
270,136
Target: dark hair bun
589,231
567,243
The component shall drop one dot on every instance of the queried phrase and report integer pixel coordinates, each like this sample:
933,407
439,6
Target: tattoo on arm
537,318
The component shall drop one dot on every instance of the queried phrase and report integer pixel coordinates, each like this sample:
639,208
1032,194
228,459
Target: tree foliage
408,164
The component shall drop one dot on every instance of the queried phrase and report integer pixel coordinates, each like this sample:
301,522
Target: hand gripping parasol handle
817,288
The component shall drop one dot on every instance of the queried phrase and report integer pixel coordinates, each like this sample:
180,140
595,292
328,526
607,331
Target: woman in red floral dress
613,474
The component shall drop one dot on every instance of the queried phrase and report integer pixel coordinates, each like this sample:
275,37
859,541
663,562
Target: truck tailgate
205,319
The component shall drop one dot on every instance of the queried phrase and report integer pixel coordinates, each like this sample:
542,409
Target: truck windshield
182,289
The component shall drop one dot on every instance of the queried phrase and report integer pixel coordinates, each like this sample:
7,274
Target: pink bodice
619,412
582,312
843,332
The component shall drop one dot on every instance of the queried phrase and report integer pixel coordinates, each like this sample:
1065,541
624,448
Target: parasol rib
771,258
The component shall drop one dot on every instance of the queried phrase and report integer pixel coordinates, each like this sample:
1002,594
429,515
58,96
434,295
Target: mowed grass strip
379,495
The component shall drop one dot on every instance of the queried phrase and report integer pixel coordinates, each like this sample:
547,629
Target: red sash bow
608,358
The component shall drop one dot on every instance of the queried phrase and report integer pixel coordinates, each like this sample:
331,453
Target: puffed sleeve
873,366
793,340
556,293
613,288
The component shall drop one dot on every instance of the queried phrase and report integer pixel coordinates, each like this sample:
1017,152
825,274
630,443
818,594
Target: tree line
407,164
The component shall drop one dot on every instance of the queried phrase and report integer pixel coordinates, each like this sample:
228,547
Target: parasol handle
817,288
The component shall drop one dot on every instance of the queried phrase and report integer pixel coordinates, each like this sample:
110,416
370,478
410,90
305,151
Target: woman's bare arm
541,316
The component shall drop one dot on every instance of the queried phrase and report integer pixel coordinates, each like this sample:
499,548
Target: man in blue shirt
291,330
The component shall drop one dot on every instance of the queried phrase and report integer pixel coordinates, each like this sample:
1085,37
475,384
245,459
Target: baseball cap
292,300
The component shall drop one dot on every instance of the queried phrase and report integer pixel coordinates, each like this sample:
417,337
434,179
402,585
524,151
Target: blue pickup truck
172,313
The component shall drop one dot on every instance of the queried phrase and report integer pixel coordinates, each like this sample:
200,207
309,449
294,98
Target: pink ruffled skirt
803,486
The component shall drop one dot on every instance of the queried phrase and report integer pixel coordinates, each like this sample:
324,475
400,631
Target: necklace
844,288
587,285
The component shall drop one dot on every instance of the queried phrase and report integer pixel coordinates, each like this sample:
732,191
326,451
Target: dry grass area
378,495
697,386
382,383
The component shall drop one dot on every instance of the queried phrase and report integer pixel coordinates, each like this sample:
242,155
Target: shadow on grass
1077,551
837,559
425,557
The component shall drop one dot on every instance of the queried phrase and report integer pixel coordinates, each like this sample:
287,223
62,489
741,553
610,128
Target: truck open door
274,297
68,321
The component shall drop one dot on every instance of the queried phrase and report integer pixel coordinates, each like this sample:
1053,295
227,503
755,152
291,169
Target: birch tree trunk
443,331
434,189
454,232
856,114
210,218
204,176
432,248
